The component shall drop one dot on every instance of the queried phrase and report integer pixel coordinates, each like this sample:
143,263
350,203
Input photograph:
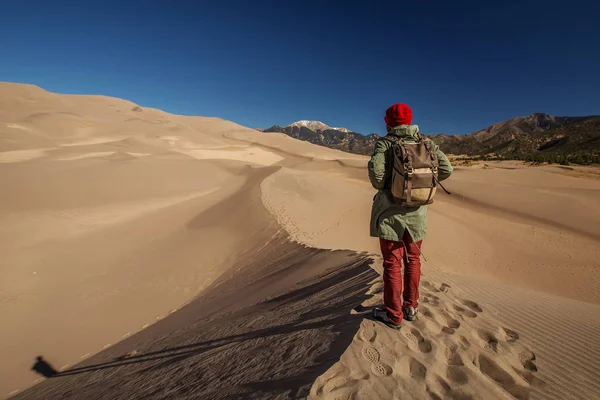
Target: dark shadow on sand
43,368
259,358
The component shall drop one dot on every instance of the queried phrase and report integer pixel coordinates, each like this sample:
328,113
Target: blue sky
460,65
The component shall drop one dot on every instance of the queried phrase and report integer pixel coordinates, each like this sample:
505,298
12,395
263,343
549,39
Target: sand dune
150,255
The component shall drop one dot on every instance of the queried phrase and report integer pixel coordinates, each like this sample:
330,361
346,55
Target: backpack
414,173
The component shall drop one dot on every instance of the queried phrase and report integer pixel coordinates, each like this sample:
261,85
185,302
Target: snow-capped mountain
322,134
316,126
345,130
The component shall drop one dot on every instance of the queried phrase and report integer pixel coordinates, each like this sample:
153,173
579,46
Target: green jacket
388,220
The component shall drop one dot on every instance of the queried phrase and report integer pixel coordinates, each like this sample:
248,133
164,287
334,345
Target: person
400,228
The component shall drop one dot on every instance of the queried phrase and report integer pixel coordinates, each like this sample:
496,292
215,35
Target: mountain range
537,137
336,138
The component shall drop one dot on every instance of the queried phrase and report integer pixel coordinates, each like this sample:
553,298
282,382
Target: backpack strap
409,171
408,165
442,186
394,140
434,165
432,155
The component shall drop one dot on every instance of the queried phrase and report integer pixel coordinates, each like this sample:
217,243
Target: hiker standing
406,169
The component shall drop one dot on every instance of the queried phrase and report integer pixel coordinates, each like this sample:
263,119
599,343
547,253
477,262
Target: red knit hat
398,114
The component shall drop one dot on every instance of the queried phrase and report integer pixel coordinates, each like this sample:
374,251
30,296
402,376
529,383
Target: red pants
393,254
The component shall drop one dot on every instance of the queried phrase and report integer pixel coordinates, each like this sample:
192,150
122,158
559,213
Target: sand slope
113,217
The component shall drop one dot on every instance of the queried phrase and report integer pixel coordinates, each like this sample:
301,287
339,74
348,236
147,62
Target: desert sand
151,255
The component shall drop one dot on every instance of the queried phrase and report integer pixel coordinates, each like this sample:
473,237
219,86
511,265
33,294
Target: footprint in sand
527,359
451,322
444,287
382,369
488,340
510,335
429,286
455,371
444,385
426,312
465,312
492,345
335,383
472,305
370,354
338,387
416,341
368,334
452,356
464,342
417,370
505,377
440,317
492,370
431,299
458,375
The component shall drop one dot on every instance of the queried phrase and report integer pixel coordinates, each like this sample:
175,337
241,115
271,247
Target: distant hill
336,138
537,137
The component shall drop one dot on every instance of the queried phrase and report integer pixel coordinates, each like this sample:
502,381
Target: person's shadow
43,368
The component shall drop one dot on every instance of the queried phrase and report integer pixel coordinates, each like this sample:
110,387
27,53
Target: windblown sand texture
150,255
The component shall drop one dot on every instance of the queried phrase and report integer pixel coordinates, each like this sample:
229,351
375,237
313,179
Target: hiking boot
410,313
380,315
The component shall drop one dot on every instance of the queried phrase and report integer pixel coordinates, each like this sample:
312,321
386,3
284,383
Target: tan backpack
414,175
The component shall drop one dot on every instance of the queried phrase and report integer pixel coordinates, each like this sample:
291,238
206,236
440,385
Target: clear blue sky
461,65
